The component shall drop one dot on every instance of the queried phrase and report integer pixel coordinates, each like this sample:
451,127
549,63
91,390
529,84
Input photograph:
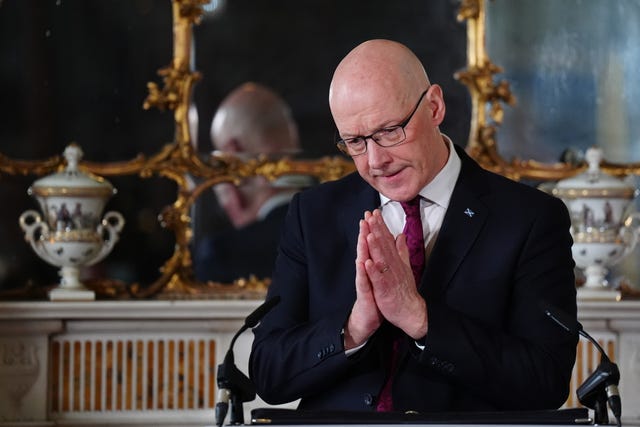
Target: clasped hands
385,286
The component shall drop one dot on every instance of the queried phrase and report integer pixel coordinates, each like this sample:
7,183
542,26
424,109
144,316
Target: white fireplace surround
154,362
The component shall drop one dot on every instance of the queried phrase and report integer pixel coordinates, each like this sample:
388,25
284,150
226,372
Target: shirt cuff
355,349
421,343
351,350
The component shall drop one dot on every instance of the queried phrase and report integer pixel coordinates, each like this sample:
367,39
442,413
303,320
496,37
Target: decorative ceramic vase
603,223
73,234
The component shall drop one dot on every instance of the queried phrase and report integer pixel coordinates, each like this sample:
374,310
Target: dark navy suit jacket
503,248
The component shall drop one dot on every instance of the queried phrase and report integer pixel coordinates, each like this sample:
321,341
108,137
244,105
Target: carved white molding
30,330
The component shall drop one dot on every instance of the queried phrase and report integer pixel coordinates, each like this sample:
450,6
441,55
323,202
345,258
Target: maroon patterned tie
415,242
415,237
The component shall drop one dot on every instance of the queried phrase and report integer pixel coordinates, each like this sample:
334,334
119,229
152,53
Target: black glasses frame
343,143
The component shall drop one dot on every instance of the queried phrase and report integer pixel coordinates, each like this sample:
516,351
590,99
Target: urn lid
72,182
594,182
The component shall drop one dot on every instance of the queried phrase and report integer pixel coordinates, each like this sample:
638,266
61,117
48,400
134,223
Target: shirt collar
440,188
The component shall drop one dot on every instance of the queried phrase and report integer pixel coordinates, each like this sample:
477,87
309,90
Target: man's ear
436,104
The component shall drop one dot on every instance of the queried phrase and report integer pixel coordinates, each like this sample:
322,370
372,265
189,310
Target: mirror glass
572,65
293,47
77,71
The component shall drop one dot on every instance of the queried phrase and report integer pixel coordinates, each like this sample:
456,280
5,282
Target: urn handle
110,228
31,222
34,227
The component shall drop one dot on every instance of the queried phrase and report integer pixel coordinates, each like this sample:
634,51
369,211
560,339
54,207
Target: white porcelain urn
73,233
603,223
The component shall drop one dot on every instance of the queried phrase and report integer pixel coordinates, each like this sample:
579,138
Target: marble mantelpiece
154,362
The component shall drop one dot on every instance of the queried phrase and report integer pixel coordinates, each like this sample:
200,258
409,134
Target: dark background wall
76,70
294,47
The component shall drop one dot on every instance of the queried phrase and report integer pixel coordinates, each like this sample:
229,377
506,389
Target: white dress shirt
435,197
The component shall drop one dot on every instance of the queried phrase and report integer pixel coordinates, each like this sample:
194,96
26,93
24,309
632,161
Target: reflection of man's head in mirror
253,120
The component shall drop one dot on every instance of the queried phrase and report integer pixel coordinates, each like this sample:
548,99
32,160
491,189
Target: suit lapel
462,222
363,198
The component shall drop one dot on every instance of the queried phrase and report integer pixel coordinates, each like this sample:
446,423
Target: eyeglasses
385,137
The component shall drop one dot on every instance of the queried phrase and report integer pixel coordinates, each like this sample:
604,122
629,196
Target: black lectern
278,416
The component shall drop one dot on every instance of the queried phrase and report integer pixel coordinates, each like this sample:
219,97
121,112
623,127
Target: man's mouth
387,174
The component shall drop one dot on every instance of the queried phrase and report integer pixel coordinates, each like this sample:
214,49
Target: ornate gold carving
487,99
26,167
479,78
177,280
469,9
179,162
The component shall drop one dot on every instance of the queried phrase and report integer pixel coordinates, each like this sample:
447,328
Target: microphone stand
234,387
601,387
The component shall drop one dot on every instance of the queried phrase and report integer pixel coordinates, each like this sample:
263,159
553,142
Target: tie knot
412,207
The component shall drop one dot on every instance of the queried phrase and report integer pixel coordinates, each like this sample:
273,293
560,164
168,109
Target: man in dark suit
356,327
252,120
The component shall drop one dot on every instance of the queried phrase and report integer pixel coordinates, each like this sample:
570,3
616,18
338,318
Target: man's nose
377,156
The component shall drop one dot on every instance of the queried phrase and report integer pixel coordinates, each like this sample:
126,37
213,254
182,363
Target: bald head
378,87
377,69
253,119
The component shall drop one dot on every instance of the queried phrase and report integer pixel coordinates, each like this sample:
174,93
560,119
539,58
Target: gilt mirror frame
179,162
489,97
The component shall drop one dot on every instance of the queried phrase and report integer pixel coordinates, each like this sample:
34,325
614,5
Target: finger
381,231
374,223
380,275
381,243
380,226
363,285
402,248
375,270
365,317
362,249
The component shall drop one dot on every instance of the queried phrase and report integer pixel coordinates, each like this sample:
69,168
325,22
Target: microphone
601,387
233,385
